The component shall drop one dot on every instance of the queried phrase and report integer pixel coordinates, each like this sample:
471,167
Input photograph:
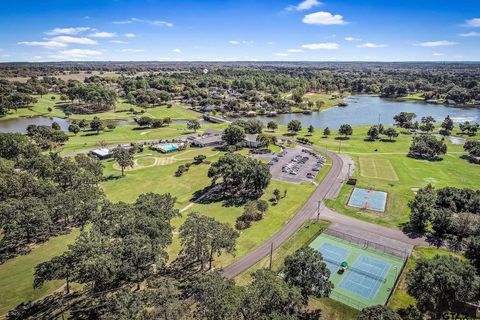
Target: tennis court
370,276
368,199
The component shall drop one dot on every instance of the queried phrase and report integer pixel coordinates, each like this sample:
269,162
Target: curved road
304,214
328,188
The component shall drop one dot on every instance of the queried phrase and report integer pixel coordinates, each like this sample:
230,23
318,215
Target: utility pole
349,165
318,210
271,256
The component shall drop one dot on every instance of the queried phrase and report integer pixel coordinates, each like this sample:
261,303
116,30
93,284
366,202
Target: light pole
318,210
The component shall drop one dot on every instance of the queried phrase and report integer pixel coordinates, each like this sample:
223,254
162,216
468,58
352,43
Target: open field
16,275
326,98
122,110
389,169
400,298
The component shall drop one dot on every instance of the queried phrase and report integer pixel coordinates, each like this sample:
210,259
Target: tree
241,176
123,157
378,312
404,119
441,283
373,133
470,128
193,125
311,129
217,298
447,126
272,125
442,222
143,121
472,252
472,147
74,128
306,270
345,130
294,126
56,126
326,132
199,158
422,207
266,139
269,297
276,195
233,135
427,147
262,206
96,125
427,124
391,133
201,237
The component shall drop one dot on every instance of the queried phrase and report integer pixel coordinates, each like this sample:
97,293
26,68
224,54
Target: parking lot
296,165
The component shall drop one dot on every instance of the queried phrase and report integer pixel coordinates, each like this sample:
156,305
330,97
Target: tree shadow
342,138
214,194
388,140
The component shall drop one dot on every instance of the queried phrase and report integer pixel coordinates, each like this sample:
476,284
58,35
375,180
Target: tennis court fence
368,244
347,300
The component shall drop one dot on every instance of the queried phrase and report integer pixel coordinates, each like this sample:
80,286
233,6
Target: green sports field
369,278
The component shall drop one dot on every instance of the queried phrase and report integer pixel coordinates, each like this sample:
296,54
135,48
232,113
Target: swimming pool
169,147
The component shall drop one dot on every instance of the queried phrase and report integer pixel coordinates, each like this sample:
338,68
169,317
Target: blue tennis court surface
333,255
368,199
369,277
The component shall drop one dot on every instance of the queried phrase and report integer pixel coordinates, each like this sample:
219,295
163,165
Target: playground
368,199
362,275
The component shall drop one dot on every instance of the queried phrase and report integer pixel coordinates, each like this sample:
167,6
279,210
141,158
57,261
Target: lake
369,110
361,110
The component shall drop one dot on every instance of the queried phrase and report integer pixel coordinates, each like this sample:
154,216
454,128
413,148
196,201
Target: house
251,141
207,108
209,138
207,141
101,153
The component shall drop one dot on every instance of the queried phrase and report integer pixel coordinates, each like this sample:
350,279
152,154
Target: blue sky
269,30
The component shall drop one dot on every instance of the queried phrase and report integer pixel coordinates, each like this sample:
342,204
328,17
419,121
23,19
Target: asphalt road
331,179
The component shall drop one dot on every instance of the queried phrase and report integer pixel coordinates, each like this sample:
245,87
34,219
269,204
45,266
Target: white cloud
352,39
37,57
78,53
371,45
76,40
133,50
162,23
177,50
118,41
321,46
441,43
130,35
234,42
304,5
475,22
470,34
159,23
46,44
295,50
271,43
323,18
103,35
437,54
281,54
70,31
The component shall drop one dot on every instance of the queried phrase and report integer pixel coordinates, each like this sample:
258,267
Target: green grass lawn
122,110
384,166
309,231
332,309
16,275
326,98
400,298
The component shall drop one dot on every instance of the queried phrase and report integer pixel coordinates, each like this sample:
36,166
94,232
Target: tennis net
356,270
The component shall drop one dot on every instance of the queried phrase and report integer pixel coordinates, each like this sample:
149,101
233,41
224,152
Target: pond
369,110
